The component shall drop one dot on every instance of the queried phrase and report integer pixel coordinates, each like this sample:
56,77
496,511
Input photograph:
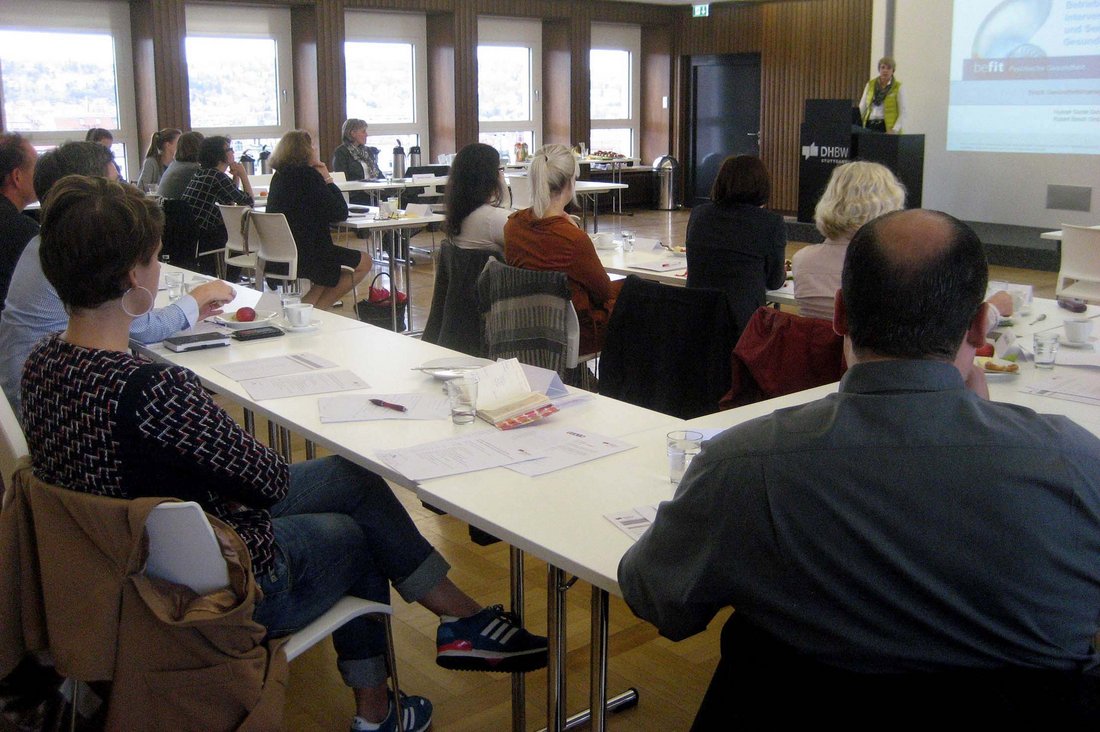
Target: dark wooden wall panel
441,83
557,72
158,30
580,41
656,128
320,102
465,110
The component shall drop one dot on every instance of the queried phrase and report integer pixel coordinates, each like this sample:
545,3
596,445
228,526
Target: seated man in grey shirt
904,526
33,310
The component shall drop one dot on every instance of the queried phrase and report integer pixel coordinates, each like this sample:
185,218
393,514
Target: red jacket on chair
780,353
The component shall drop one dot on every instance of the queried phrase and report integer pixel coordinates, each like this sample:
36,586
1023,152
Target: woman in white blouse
475,191
857,192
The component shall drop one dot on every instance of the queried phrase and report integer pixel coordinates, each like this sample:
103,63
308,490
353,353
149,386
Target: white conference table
1057,235
673,269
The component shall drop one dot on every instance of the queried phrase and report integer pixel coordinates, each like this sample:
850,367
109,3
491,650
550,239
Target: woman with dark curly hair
475,190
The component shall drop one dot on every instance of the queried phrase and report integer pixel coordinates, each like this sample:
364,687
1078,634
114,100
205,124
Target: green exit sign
700,11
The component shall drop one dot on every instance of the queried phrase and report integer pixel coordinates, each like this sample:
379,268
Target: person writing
103,421
882,106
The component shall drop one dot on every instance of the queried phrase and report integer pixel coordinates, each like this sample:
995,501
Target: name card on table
418,209
423,176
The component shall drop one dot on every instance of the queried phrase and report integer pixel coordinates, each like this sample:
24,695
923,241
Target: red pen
389,405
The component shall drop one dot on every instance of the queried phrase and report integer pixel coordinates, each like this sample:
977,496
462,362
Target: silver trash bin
667,171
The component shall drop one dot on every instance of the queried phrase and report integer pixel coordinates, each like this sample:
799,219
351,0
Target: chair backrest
1080,253
436,170
274,244
524,315
13,445
183,548
231,217
454,320
339,176
667,348
180,240
780,353
261,179
521,192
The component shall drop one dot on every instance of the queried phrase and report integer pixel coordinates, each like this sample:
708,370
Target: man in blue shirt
904,525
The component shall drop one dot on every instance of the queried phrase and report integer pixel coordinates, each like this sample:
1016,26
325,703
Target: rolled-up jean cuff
430,573
364,673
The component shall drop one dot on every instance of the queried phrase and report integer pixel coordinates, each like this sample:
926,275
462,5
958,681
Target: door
724,117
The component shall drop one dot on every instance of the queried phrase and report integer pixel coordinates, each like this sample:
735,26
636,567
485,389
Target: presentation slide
1025,76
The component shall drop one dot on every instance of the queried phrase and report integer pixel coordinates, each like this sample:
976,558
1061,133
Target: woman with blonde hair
161,153
857,192
354,158
546,238
303,191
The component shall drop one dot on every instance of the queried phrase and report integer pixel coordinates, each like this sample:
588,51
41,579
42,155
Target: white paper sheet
477,451
578,447
261,368
358,407
500,383
1078,385
314,382
662,265
634,521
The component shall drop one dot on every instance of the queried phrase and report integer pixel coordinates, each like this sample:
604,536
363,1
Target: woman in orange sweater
546,238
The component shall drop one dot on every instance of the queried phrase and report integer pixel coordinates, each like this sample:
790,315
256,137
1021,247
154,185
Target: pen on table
389,405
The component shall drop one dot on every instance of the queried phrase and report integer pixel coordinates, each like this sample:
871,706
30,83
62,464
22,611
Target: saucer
313,325
1074,344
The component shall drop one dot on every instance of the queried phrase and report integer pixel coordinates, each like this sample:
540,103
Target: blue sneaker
416,716
491,640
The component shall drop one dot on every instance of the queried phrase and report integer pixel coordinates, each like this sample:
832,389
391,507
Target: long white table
674,269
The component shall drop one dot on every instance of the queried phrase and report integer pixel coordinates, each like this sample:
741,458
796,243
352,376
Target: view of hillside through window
380,86
233,82
58,81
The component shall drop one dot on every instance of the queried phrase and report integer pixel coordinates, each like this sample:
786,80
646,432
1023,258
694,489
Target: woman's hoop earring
148,308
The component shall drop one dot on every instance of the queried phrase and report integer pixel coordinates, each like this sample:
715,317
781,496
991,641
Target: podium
830,136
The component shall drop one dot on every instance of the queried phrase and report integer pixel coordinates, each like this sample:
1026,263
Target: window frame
412,28
494,31
222,21
103,16
620,37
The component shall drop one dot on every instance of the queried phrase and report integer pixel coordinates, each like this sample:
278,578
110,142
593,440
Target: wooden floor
670,677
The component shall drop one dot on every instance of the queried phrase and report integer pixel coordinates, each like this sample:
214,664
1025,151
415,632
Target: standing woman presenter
882,107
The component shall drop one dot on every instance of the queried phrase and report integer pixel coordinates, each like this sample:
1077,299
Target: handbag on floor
377,309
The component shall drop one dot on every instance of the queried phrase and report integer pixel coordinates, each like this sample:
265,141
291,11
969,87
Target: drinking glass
462,393
628,240
174,282
682,446
1046,348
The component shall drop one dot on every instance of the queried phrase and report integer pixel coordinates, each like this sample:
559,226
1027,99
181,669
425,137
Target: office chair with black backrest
454,321
180,240
668,347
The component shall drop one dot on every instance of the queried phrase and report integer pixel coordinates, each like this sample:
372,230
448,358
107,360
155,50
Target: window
509,71
387,80
615,70
67,67
238,72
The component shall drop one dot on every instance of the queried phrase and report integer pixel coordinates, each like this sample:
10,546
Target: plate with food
245,318
452,367
996,366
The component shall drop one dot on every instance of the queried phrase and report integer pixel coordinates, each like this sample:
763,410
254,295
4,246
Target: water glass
1046,348
286,301
682,446
462,393
628,241
173,281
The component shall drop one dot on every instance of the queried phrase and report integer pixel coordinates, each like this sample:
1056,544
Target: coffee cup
603,240
299,315
1078,330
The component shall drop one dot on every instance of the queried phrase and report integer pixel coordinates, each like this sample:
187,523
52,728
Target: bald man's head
912,282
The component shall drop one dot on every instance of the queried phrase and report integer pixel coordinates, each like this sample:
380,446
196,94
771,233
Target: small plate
313,325
229,320
1074,344
452,367
985,361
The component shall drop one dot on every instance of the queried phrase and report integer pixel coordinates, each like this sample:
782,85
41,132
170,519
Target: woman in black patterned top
103,421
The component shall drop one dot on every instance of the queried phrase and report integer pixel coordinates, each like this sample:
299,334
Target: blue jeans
340,531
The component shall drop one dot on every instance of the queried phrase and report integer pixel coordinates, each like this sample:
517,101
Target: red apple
245,315
985,350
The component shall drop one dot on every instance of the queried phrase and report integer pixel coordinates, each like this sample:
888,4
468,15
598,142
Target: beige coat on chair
71,581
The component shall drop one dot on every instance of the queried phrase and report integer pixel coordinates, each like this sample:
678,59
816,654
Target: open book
505,399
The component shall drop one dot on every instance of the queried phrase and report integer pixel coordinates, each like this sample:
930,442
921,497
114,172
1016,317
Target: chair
180,240
667,348
237,251
13,445
183,549
521,192
1079,273
525,315
759,675
454,321
275,245
780,353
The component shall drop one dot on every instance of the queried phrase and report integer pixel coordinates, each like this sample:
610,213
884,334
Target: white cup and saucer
1078,333
603,240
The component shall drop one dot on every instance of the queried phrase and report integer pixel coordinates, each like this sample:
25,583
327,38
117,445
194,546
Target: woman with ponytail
161,152
546,238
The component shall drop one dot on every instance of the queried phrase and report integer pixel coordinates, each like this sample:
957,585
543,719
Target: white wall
999,188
